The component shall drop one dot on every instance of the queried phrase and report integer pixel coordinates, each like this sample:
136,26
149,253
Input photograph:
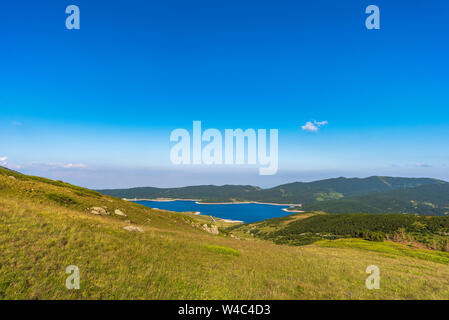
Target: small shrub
61,199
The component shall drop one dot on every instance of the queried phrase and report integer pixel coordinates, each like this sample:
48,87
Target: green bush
61,199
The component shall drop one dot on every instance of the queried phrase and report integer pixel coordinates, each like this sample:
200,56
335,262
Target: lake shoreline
159,199
198,201
285,208
294,211
198,213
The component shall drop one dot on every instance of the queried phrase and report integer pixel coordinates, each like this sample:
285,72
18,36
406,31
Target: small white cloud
320,123
56,165
309,126
14,166
423,165
313,126
3,161
74,166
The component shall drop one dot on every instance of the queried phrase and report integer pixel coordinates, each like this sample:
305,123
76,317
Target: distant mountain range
340,195
430,199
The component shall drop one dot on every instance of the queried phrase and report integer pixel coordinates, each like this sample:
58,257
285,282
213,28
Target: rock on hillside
133,228
212,229
98,211
120,213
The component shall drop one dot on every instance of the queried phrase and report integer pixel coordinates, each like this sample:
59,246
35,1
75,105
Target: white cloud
54,166
15,166
309,126
423,165
73,166
3,161
313,126
320,123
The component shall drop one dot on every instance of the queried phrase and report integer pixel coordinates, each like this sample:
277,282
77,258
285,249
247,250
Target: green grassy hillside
331,189
431,199
309,227
46,226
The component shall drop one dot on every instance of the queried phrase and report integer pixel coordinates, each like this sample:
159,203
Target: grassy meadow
46,226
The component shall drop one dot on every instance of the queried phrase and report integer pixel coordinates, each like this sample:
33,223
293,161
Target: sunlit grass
394,249
171,259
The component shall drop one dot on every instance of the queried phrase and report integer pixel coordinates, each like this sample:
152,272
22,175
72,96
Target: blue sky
96,106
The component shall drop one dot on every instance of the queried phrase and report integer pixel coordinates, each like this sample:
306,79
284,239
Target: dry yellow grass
171,259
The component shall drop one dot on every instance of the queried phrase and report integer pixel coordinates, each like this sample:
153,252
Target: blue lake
247,212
